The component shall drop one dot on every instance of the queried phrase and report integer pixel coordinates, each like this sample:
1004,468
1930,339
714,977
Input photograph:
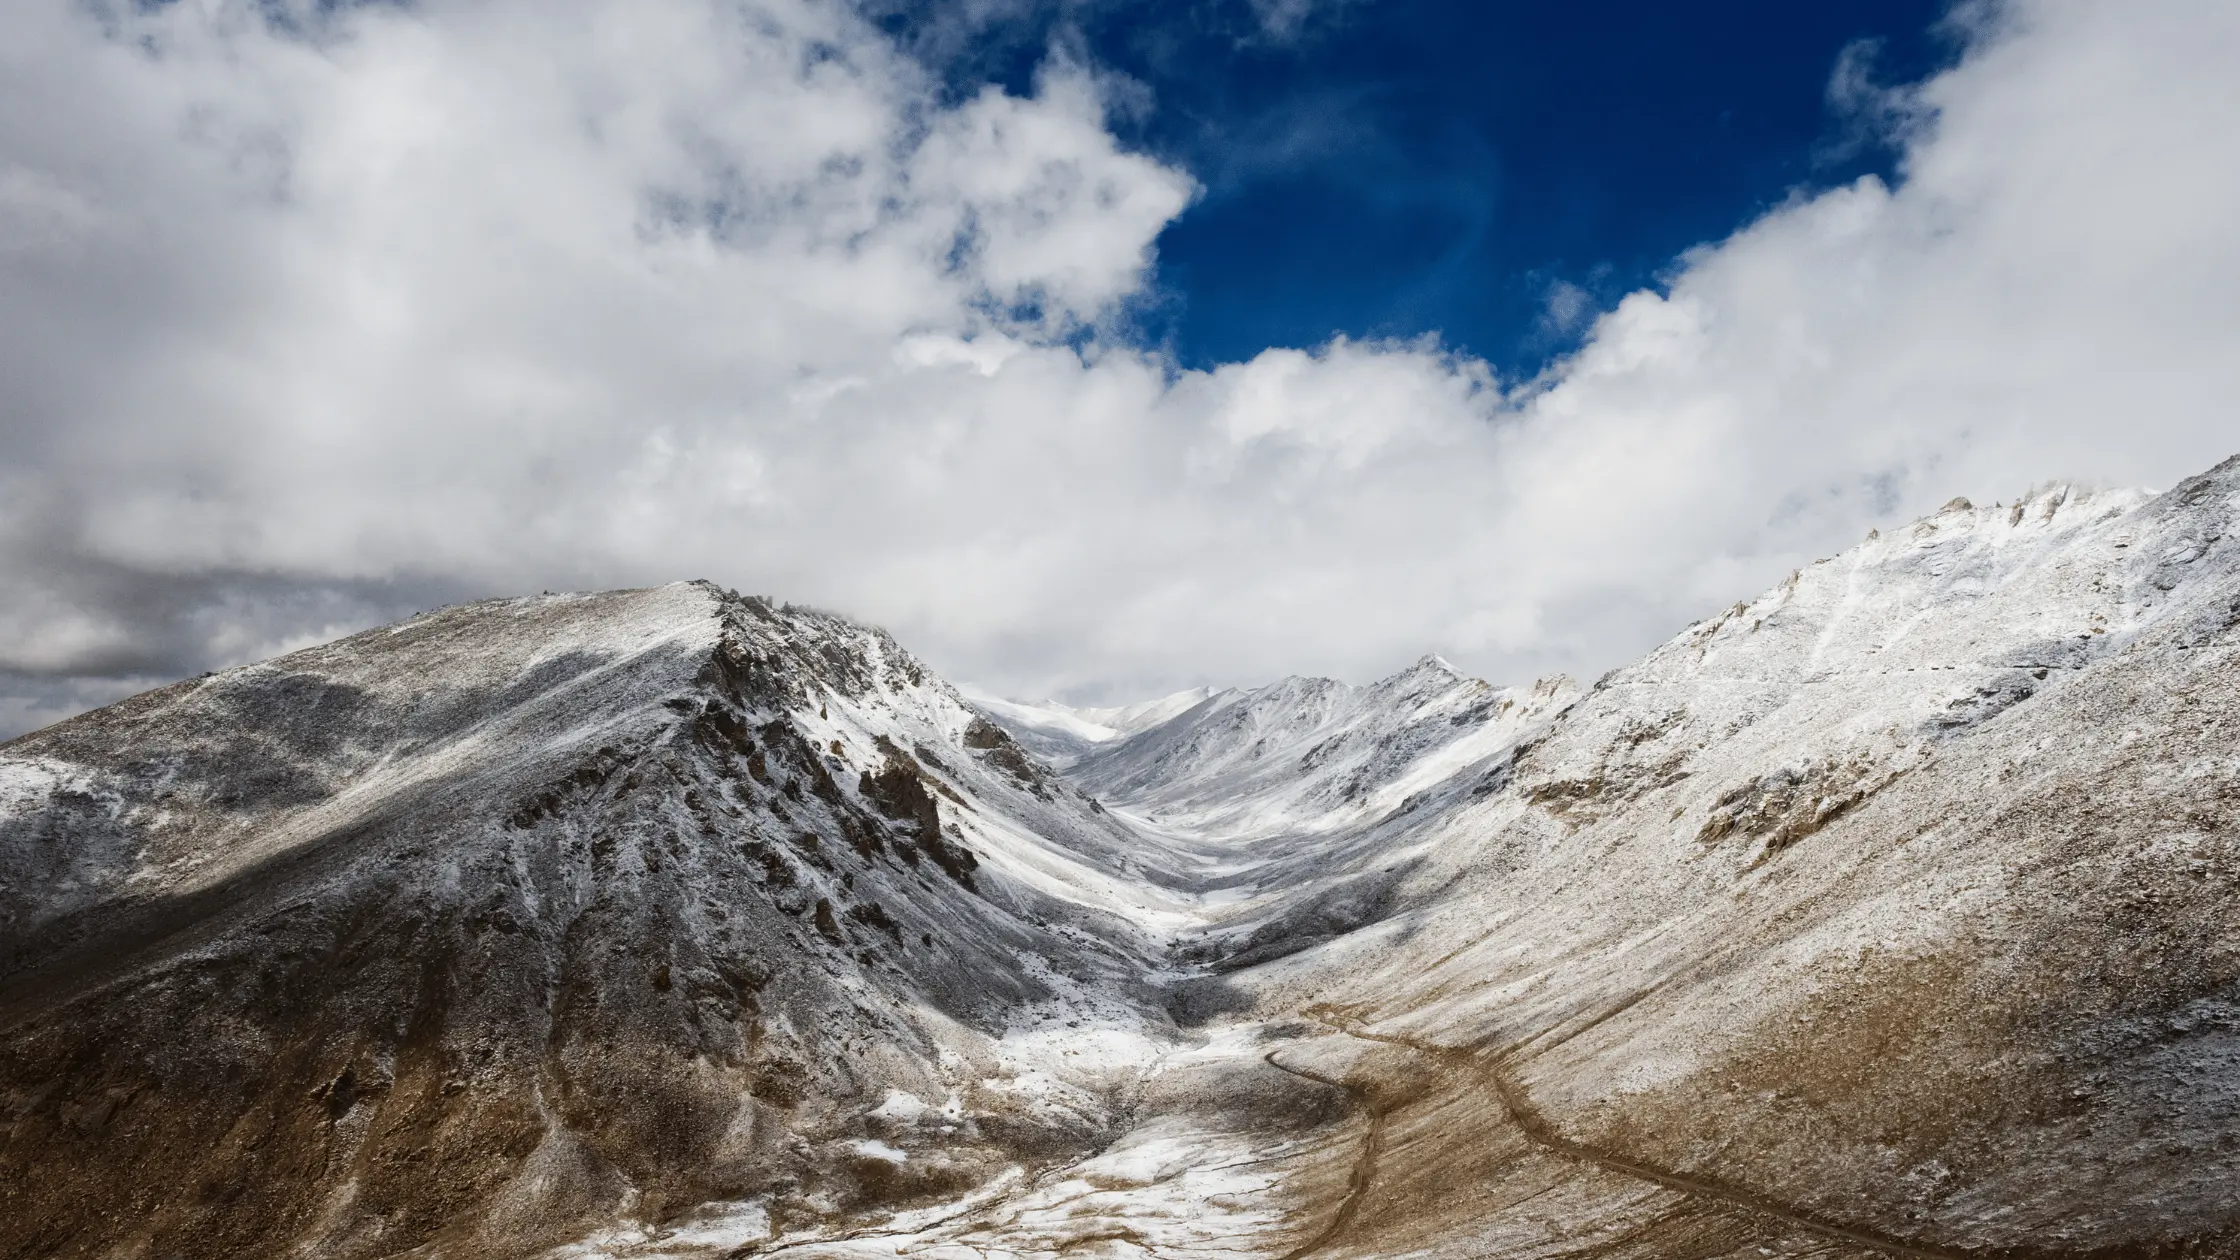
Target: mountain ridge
646,811
1888,910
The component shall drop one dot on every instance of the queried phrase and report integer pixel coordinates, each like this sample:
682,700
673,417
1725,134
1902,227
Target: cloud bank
314,316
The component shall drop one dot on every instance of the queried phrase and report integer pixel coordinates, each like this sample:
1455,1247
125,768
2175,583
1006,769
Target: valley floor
1290,1134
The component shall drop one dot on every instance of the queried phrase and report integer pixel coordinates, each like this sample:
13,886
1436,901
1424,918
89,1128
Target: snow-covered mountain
1888,913
1313,754
521,919
1896,904
1311,790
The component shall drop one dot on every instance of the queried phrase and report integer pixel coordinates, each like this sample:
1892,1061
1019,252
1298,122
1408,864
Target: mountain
1312,754
1891,909
1889,913
1314,792
517,919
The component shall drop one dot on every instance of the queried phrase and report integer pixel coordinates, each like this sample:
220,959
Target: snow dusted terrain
1889,913
526,918
1312,792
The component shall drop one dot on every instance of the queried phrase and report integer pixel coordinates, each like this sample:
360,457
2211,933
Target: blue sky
1473,170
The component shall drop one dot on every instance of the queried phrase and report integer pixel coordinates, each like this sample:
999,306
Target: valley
1887,913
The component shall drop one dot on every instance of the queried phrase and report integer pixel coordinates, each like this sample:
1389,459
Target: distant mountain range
1892,912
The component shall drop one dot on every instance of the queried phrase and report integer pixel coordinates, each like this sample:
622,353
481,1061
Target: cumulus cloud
314,315
2045,294
469,296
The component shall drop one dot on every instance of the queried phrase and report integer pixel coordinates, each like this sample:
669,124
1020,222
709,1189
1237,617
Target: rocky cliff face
1890,913
527,917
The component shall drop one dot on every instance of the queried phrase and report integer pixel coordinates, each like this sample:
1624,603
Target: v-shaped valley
1888,913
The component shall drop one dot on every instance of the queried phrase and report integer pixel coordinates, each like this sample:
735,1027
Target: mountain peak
1431,664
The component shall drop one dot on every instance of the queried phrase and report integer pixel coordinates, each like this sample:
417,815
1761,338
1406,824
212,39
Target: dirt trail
1364,1170
1541,1133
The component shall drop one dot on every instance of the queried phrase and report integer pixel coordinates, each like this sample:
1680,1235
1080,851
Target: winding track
1364,1170
1541,1133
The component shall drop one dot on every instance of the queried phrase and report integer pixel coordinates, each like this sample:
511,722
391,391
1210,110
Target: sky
1096,350
1485,173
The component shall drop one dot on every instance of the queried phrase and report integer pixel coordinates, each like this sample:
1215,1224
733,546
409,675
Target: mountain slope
1311,754
1307,794
524,917
1899,898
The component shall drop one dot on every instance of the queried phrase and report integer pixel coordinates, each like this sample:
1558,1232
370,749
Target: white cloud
2047,293
1566,309
306,323
1285,21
